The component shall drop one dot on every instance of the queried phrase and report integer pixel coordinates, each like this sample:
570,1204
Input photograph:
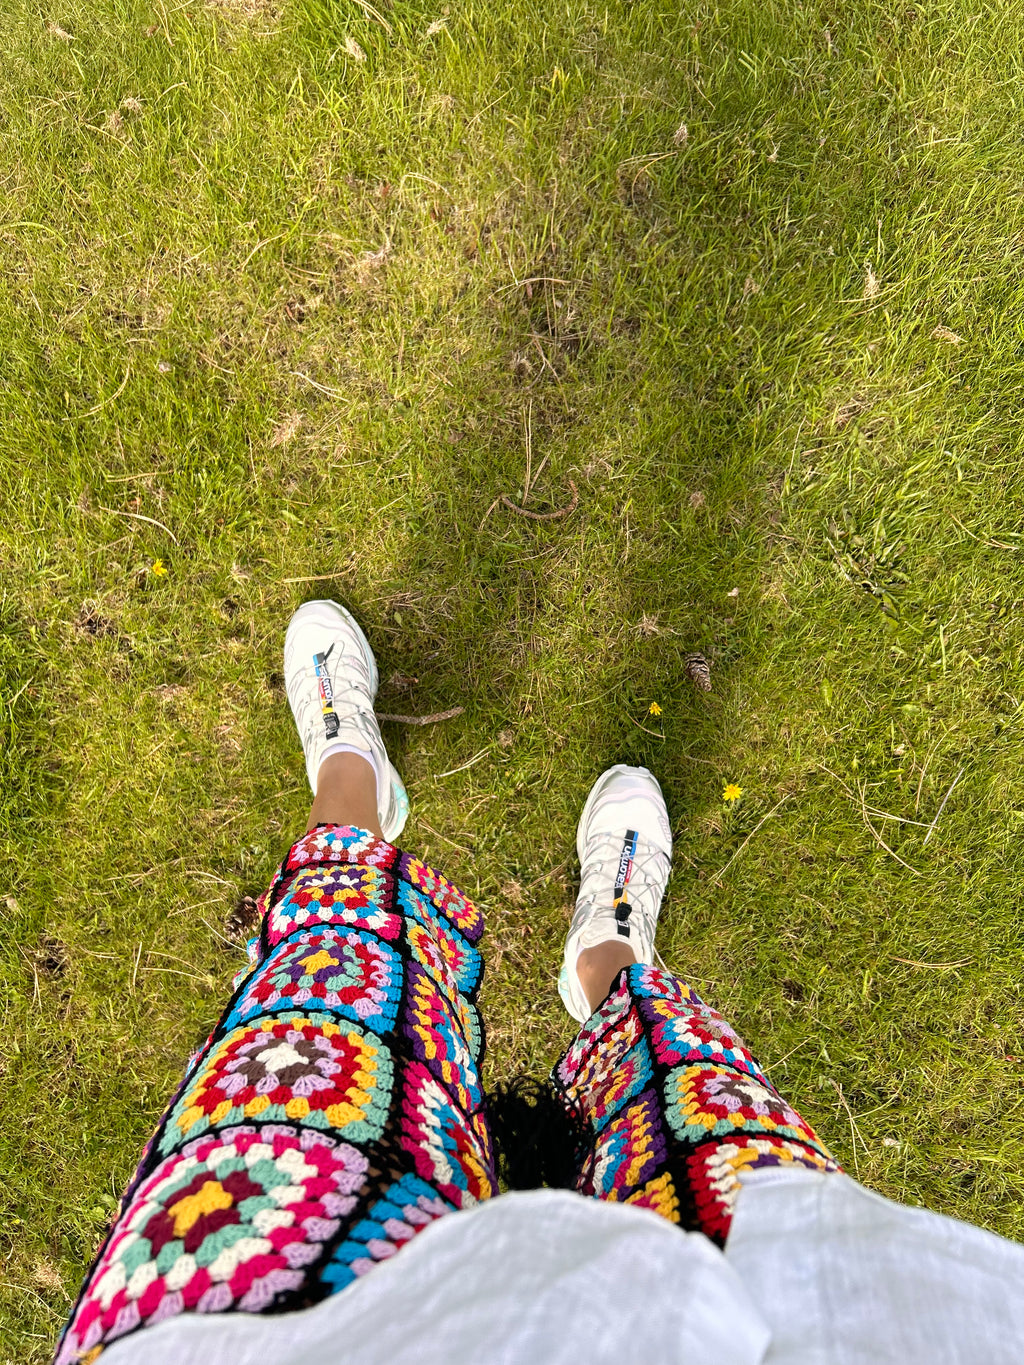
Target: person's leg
337,1107
346,794
676,1105
598,969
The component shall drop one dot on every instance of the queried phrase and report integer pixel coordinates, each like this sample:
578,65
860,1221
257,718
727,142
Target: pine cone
244,920
698,670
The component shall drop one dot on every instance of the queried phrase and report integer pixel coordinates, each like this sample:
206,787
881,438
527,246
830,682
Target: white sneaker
624,842
330,676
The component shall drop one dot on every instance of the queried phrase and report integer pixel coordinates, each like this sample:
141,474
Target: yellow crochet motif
207,1199
315,962
659,1196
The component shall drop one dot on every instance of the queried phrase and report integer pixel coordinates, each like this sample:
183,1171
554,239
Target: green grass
263,316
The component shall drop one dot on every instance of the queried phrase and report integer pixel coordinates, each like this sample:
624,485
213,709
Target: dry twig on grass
545,516
942,807
137,516
855,1133
934,966
422,720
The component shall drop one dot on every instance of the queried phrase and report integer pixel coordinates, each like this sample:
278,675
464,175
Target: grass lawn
291,296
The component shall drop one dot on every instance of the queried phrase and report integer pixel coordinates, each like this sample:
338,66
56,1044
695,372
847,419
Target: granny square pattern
333,1113
677,1106
337,1108
354,973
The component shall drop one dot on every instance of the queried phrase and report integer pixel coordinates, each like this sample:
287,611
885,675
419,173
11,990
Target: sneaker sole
401,798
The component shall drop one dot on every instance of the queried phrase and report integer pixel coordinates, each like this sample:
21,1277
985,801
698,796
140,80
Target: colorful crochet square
699,1036
648,982
342,894
615,1013
234,1220
348,971
445,1036
630,1151
585,1074
443,1144
406,1208
335,844
677,1105
335,1110
306,1069
456,908
720,1101
444,952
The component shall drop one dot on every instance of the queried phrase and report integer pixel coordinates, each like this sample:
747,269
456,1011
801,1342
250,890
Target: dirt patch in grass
267,10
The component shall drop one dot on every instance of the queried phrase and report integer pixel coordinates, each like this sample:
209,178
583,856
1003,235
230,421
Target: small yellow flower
158,568
732,792
654,709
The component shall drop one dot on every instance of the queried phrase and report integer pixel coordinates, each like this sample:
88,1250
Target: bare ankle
598,968
346,794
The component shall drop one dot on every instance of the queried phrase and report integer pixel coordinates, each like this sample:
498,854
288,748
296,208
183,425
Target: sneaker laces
598,882
348,698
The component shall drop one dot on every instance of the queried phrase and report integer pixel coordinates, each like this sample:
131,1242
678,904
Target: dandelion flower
654,709
732,792
158,568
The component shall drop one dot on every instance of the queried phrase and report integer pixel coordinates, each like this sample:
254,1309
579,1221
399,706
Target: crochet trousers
337,1108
